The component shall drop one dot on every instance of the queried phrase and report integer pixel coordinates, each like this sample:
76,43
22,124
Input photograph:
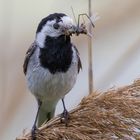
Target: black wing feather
29,53
79,60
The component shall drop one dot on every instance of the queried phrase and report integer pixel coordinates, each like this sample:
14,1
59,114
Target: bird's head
54,25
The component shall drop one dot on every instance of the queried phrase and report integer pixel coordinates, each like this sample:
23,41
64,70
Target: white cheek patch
49,30
46,30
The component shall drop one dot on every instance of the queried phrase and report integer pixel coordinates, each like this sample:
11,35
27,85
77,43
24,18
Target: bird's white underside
50,87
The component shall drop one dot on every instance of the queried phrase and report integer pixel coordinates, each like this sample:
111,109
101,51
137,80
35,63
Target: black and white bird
51,65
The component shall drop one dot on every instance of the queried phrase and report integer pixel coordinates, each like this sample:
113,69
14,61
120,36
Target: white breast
47,86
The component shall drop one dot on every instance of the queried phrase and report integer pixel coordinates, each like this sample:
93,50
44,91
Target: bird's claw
33,132
65,117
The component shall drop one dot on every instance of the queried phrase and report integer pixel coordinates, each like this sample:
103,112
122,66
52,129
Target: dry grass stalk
112,115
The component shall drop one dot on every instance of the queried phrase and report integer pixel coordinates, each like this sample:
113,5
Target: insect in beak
80,28
75,30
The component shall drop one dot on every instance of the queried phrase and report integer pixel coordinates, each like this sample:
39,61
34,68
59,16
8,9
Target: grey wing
29,53
79,60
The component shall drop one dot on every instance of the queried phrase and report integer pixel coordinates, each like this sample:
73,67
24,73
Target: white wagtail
51,65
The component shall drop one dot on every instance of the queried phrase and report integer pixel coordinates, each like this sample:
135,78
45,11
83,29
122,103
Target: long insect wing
93,18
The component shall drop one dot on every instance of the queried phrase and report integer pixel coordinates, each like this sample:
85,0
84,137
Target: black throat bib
57,54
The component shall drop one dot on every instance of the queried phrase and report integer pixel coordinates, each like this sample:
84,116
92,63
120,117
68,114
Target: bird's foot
33,132
65,117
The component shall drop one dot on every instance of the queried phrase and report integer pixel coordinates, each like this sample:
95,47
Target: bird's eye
56,26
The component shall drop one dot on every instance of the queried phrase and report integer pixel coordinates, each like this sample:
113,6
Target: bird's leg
34,128
65,114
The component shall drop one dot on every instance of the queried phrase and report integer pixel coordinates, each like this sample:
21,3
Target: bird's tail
46,112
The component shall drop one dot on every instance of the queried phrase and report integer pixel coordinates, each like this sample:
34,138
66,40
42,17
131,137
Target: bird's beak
69,30
72,29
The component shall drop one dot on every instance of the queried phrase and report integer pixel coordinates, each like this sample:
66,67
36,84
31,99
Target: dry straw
111,115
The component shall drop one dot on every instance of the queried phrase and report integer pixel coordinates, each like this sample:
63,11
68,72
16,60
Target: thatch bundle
111,115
